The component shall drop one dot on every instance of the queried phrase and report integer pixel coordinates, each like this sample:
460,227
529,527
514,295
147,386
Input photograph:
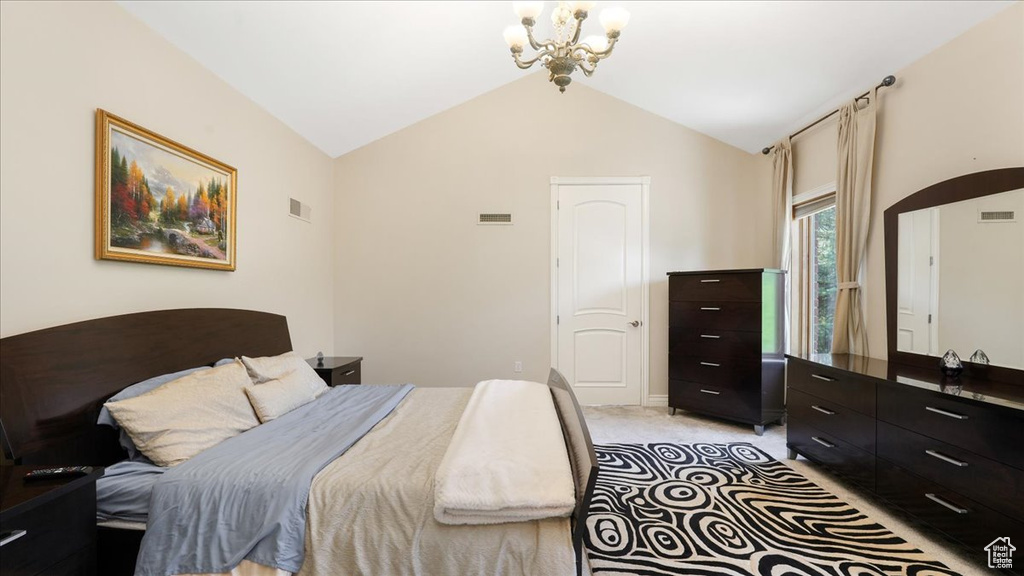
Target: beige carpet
642,425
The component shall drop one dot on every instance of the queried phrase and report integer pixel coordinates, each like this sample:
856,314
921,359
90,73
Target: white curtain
782,201
856,150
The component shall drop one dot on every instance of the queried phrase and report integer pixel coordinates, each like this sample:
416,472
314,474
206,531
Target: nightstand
56,520
339,369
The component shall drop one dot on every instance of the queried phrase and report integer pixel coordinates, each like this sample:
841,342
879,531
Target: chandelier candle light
564,53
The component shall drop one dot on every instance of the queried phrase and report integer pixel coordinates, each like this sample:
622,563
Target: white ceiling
343,74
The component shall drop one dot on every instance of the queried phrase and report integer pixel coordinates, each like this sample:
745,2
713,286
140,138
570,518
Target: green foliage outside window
823,230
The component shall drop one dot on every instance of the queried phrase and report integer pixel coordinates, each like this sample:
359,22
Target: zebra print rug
663,509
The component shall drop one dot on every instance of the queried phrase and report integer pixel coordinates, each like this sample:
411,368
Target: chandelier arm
545,45
607,51
587,71
524,64
585,49
580,17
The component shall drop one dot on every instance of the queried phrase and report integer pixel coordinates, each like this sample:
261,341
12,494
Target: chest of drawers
48,526
726,337
948,455
337,370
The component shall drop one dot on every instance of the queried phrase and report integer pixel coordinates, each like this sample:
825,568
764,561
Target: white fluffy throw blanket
507,461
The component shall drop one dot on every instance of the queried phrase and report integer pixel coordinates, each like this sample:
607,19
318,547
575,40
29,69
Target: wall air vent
987,216
495,219
298,210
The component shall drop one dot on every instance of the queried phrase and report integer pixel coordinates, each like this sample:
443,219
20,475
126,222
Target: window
822,227
815,285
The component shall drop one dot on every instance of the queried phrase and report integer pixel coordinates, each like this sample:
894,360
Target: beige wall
427,296
61,61
957,110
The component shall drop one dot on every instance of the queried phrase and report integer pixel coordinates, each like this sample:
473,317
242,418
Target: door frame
934,272
645,265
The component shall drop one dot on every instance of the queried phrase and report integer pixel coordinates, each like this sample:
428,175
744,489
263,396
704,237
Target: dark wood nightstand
56,520
339,369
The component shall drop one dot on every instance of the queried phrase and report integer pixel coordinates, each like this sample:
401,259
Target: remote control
62,472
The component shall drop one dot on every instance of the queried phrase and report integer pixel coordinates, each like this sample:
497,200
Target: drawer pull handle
945,458
825,378
712,336
8,537
349,373
824,443
709,281
710,308
713,392
824,411
945,504
946,413
712,364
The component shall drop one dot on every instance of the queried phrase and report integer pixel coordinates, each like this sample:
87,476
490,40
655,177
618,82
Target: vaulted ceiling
343,74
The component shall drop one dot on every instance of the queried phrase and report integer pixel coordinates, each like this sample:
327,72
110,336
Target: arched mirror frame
964,187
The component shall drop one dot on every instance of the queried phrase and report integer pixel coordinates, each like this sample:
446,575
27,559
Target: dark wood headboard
53,382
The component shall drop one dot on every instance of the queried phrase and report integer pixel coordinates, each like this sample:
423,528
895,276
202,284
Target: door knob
634,323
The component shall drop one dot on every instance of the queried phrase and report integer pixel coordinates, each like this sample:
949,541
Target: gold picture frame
160,202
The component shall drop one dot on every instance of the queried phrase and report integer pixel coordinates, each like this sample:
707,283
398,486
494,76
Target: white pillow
276,398
180,419
269,368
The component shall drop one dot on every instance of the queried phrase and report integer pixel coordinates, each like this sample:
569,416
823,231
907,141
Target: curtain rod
887,81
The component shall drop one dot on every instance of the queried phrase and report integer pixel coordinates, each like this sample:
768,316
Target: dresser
948,452
726,335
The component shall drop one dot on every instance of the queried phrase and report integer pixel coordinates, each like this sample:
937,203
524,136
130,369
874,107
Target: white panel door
917,285
599,291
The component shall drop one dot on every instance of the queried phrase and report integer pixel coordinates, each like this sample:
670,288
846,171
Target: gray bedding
245,498
123,491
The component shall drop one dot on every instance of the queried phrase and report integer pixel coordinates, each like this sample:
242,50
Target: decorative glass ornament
979,357
950,364
952,390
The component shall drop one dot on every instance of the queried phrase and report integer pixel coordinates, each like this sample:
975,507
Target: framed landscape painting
160,202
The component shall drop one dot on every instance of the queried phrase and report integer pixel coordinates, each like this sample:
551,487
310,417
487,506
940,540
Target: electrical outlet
517,367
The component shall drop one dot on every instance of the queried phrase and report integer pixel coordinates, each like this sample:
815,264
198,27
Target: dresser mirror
955,272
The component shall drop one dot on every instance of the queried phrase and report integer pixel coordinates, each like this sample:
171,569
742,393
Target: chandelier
564,53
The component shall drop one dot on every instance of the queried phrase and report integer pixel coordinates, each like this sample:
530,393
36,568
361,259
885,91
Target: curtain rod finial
766,150
888,80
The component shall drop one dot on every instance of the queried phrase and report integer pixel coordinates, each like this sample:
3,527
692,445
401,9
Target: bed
53,383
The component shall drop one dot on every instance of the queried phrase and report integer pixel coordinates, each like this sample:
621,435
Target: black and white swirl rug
663,509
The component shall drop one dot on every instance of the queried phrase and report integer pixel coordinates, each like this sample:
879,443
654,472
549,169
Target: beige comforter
371,510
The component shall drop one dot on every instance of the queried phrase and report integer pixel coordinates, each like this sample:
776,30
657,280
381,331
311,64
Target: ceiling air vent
298,210
996,216
495,219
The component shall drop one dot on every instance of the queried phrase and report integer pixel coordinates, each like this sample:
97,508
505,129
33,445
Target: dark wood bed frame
53,383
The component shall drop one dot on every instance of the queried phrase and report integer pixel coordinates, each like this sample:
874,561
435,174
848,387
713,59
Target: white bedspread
507,460
371,510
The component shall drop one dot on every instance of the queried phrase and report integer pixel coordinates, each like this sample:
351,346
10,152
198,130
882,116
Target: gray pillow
139,389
